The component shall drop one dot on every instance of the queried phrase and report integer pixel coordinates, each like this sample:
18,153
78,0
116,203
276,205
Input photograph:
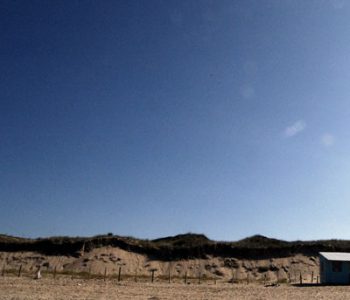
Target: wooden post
185,277
312,277
119,273
169,274
199,277
248,278
317,280
104,277
54,272
264,279
301,279
152,276
90,273
289,281
38,272
20,271
136,275
3,271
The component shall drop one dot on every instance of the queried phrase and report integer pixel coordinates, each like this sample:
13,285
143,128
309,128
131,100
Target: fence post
301,279
199,277
3,270
38,272
185,277
54,272
152,276
104,277
119,273
20,271
312,277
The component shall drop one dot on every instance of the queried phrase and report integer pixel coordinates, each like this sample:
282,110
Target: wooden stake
312,277
152,276
119,273
104,277
20,271
3,271
38,272
301,279
54,272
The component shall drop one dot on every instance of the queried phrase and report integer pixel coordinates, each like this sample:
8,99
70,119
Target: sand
66,288
111,259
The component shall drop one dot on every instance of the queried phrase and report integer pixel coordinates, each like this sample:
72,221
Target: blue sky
153,118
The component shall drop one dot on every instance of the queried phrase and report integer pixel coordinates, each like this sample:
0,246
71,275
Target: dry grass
66,288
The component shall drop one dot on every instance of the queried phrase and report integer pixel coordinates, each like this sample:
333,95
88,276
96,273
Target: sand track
66,288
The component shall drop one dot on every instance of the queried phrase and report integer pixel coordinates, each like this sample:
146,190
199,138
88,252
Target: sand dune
110,259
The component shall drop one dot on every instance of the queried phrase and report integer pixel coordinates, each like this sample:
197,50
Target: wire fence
293,277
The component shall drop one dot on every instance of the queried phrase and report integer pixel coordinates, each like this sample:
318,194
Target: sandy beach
66,288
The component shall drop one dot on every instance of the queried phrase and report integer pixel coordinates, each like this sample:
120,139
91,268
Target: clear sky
153,118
